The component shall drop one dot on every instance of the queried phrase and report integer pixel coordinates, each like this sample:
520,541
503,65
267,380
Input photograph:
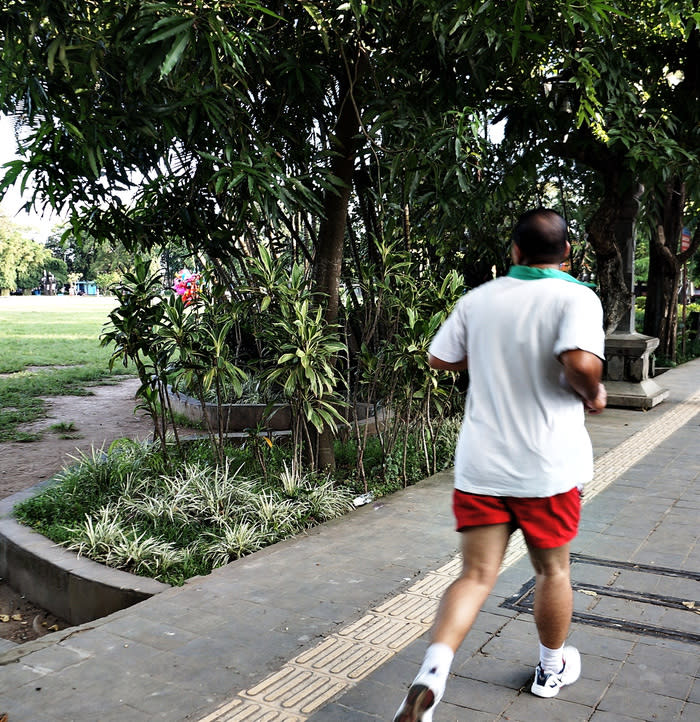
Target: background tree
638,85
88,258
22,260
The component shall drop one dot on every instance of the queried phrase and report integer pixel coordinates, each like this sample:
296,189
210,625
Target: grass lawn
50,347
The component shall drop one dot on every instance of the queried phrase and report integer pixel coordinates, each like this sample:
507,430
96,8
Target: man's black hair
541,236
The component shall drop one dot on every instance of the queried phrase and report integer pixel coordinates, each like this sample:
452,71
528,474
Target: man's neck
542,265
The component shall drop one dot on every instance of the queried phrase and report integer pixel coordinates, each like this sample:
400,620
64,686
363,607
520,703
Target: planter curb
73,588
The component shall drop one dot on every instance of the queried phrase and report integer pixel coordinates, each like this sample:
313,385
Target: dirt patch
95,421
21,620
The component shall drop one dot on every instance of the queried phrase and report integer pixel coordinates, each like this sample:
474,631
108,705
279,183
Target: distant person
533,342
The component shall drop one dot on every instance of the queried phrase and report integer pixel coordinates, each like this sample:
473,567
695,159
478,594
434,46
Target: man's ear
516,255
567,251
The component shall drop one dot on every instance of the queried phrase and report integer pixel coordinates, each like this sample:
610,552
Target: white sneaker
548,684
425,692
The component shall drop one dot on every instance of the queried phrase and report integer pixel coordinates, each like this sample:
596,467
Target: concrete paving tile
684,662
689,505
612,717
6,644
639,581
514,650
494,605
336,712
625,610
197,680
158,635
681,621
371,699
595,668
661,558
500,672
42,693
589,543
694,695
18,712
641,705
662,643
334,611
608,644
601,575
587,691
447,712
529,708
184,677
475,640
14,676
688,713
522,629
473,694
101,643
239,660
654,679
89,709
396,674
71,694
491,621
613,547
173,702
590,526
583,603
54,658
307,629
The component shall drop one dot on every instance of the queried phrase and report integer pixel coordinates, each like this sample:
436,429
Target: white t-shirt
523,432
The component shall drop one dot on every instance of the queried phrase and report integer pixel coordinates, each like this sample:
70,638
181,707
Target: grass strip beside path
49,346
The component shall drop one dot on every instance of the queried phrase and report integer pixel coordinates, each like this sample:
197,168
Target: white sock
437,660
551,660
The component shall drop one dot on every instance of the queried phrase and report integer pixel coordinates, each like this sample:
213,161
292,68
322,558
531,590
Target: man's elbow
437,363
583,371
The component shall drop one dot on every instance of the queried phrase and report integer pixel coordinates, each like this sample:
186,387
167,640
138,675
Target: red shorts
546,522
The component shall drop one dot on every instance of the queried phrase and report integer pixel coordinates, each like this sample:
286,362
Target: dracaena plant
134,329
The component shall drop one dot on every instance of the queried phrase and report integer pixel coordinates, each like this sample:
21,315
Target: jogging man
533,342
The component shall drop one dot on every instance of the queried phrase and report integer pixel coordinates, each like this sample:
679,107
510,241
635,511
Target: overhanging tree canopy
227,116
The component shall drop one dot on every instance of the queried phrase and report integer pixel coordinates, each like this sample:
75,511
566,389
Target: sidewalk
331,626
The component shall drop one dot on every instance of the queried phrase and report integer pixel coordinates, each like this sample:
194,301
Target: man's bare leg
558,665
483,548
553,594
482,553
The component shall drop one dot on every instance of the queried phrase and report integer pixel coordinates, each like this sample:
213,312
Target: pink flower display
187,285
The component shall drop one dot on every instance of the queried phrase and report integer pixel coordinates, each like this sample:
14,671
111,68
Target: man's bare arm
437,363
583,371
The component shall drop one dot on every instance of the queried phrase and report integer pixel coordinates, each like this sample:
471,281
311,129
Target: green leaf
53,49
172,26
174,55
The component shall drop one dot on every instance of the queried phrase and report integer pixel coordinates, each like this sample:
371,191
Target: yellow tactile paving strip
318,675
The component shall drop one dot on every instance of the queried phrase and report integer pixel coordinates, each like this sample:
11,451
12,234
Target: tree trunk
661,310
331,237
615,296
329,250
